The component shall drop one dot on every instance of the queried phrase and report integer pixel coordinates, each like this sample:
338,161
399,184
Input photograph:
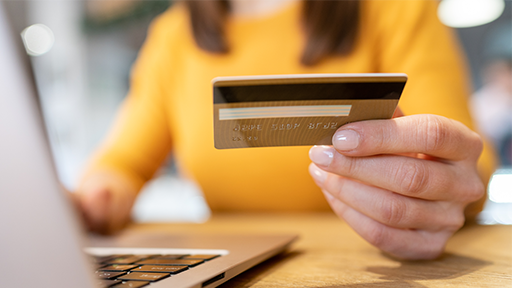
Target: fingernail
318,174
321,155
345,140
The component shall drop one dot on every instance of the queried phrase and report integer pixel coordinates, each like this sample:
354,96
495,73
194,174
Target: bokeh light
500,186
469,13
38,39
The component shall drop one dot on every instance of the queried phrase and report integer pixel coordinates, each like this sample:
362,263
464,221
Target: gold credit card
294,110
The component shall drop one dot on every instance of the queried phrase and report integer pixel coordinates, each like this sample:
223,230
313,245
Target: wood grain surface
330,254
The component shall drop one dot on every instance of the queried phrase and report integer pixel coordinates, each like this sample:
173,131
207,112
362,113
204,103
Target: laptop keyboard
141,270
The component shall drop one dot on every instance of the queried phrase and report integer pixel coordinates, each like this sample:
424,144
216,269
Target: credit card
296,110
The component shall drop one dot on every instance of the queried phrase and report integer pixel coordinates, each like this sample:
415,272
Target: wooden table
329,254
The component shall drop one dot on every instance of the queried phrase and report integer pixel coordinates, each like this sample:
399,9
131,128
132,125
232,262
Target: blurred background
82,52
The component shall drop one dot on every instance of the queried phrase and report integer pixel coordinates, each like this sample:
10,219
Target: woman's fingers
106,200
389,208
428,134
105,210
95,205
405,175
401,243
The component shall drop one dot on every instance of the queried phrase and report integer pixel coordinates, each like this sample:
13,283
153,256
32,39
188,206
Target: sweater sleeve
415,42
139,140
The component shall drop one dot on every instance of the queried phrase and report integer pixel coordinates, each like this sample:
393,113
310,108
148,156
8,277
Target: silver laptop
41,241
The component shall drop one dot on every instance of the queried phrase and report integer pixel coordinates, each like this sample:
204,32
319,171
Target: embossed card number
293,110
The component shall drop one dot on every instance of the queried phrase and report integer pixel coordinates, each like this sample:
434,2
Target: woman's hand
402,184
105,201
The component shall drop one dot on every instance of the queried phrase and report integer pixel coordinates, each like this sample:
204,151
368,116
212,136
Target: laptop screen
36,218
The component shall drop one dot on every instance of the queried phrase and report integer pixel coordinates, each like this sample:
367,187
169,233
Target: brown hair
330,27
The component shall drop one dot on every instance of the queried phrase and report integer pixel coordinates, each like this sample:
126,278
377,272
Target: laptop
42,243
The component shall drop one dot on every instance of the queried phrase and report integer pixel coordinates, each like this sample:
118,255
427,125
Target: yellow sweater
170,106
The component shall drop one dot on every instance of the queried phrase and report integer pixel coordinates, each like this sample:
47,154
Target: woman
402,184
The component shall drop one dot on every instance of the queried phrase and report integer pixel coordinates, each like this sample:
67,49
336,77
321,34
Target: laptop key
160,269
177,262
107,283
200,257
132,284
108,274
171,256
124,260
116,267
143,276
101,259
